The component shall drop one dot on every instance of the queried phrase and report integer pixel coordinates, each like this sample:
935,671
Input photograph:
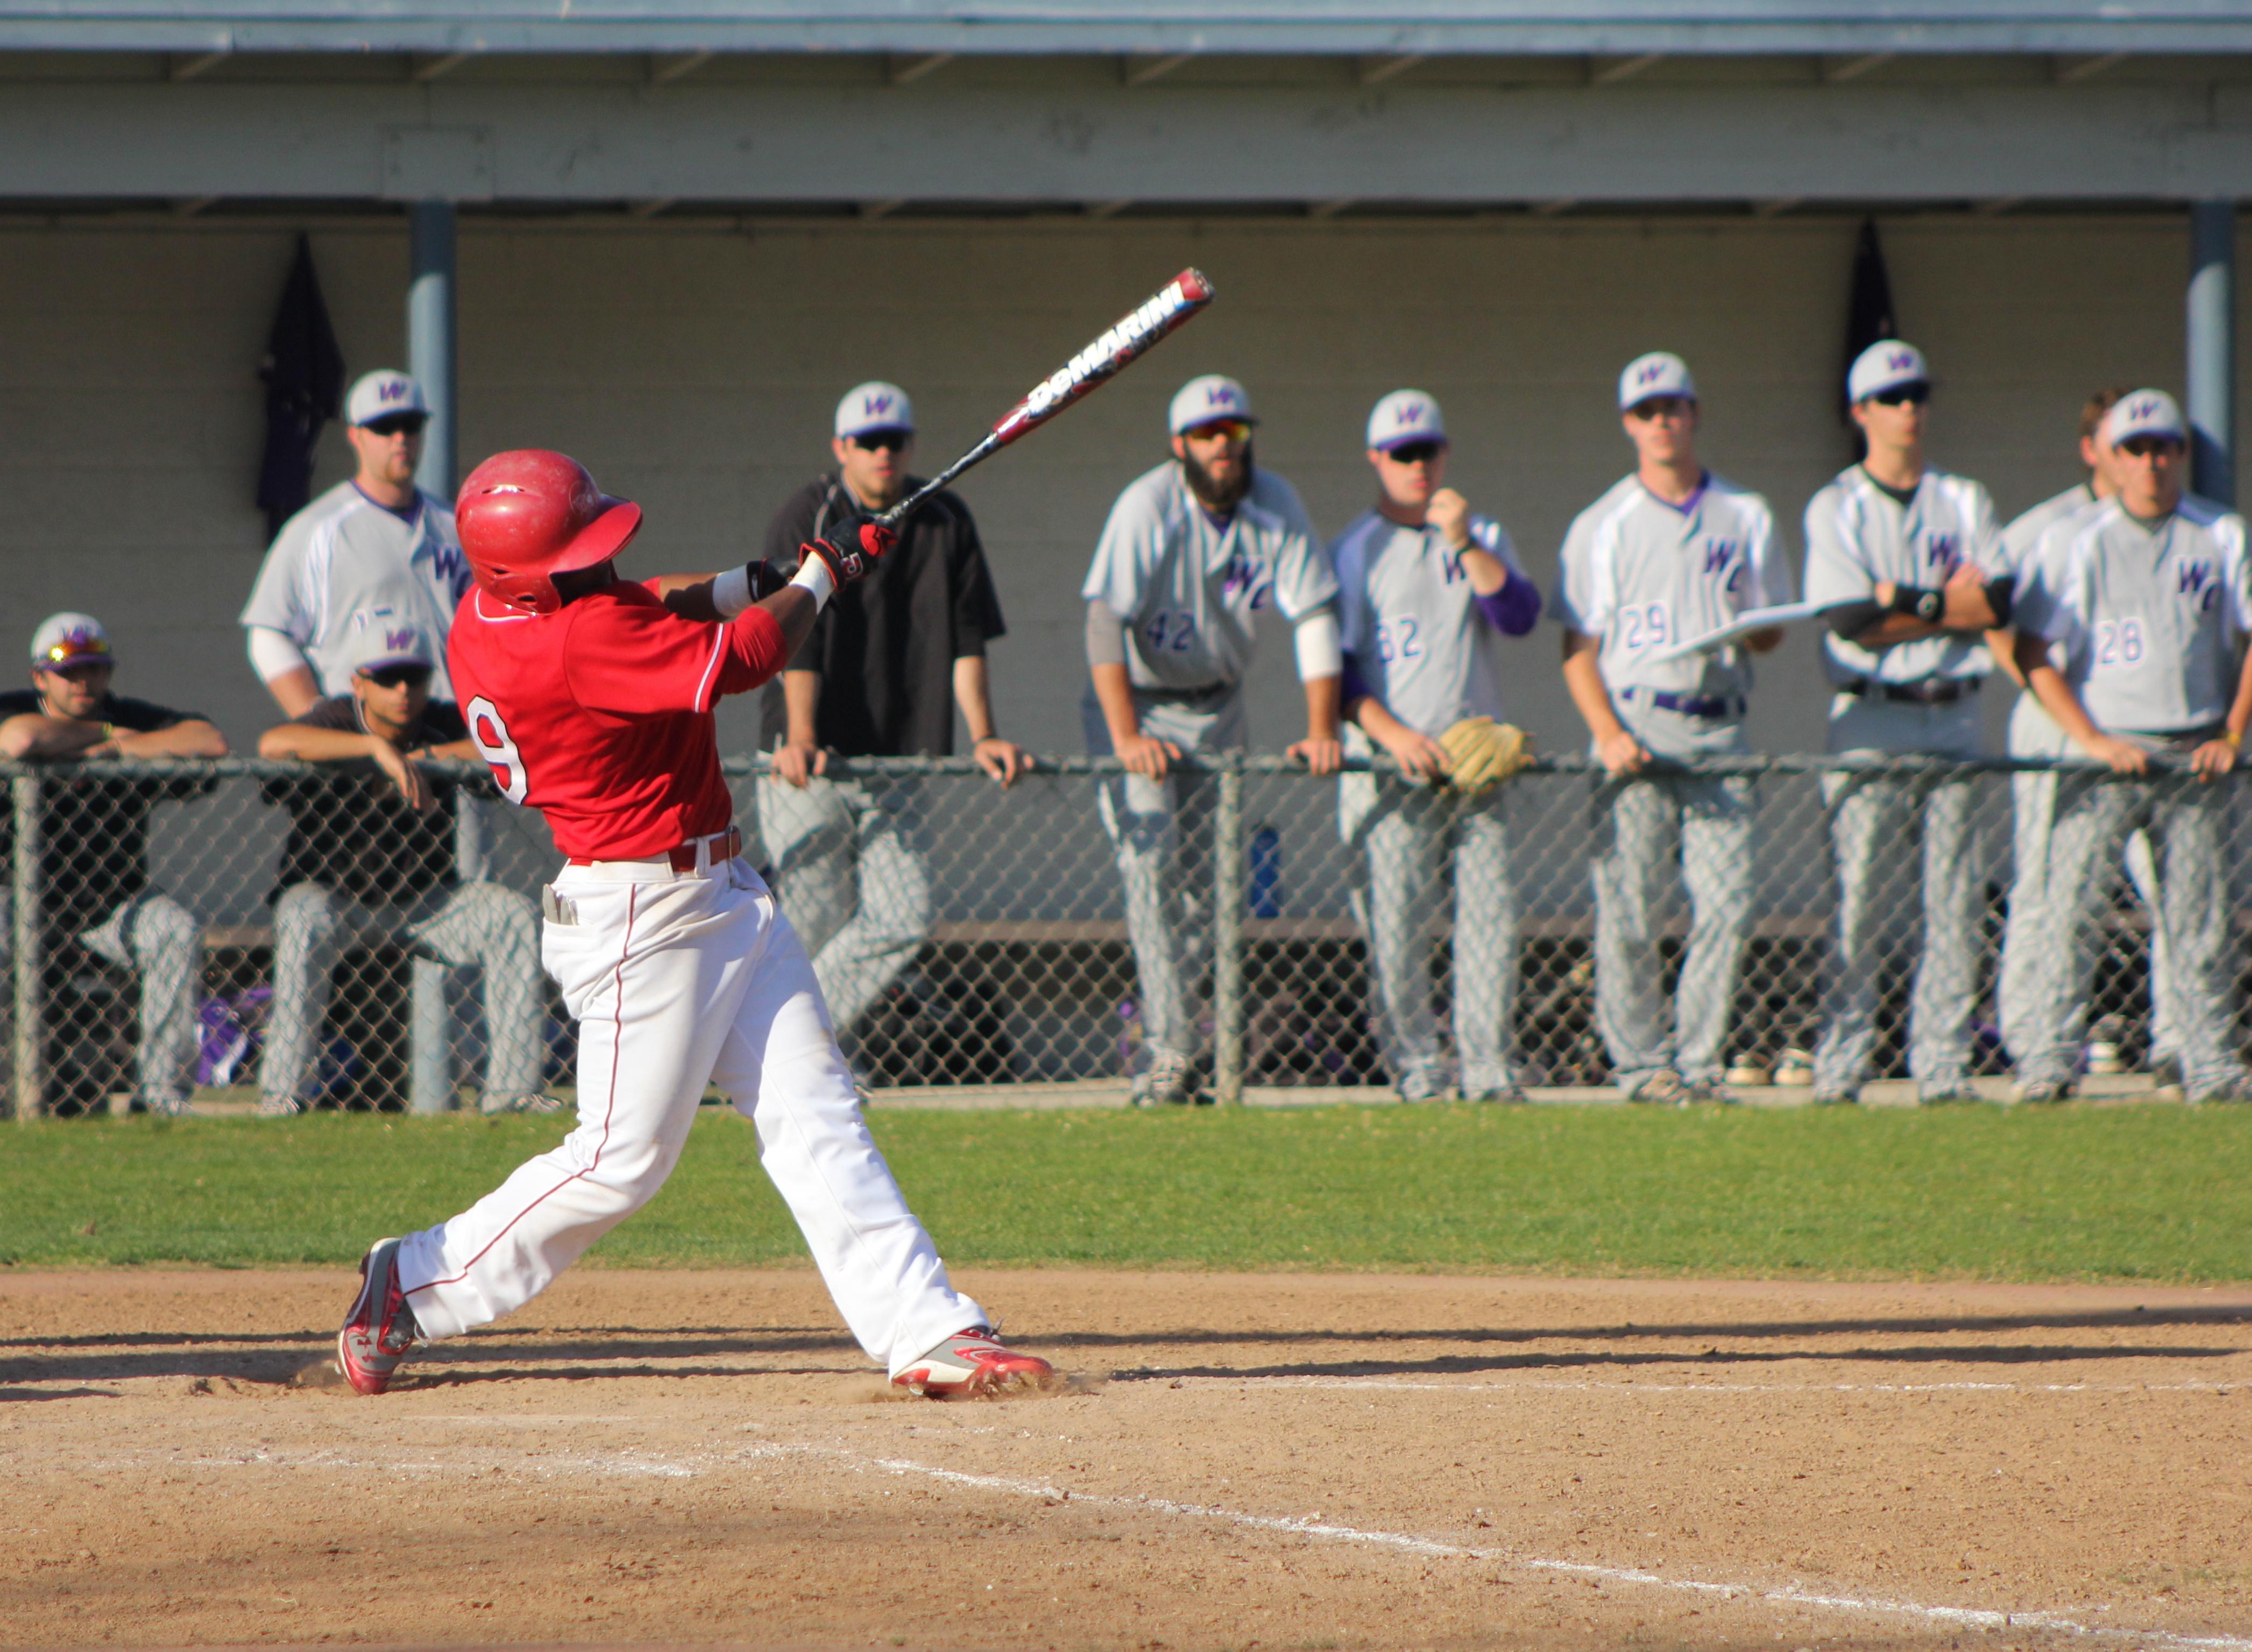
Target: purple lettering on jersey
2192,577
1243,574
1940,550
1717,553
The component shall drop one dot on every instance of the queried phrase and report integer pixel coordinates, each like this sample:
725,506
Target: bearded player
591,699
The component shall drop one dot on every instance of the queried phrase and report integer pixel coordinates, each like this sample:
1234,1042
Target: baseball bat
1116,348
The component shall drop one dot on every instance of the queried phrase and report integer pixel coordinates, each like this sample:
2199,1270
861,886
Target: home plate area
646,1458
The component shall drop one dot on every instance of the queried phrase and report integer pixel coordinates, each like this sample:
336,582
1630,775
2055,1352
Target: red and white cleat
973,1364
380,1329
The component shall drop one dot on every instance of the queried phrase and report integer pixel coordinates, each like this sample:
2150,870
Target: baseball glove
1481,753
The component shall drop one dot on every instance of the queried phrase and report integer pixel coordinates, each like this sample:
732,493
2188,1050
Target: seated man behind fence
94,837
370,856
2149,596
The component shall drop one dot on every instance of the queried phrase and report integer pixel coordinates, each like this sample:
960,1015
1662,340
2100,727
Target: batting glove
845,564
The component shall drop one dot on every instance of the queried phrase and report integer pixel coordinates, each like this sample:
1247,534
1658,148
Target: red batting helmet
528,516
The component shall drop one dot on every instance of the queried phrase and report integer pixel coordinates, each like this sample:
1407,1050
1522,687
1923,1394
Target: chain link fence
291,930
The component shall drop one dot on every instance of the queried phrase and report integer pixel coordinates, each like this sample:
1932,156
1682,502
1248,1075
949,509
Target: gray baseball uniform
2034,943
344,554
1189,588
1641,575
1918,696
1416,639
2149,619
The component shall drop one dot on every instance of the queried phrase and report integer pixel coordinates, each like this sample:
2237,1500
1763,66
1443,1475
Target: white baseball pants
678,978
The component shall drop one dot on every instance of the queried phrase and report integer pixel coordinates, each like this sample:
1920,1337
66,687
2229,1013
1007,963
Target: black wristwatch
1929,605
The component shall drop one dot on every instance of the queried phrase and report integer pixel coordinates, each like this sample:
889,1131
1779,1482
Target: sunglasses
2151,447
1415,452
408,424
1914,395
1220,430
77,669
883,440
1661,407
398,675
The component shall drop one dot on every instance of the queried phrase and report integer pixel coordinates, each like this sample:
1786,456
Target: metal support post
430,338
1228,934
2212,340
430,1065
30,1087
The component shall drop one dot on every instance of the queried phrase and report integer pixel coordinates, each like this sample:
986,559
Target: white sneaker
278,1107
973,1364
1167,1083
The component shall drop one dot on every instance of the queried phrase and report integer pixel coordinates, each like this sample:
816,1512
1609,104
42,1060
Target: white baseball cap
381,393
1885,366
1404,416
874,405
1659,373
2143,413
1202,400
64,639
381,638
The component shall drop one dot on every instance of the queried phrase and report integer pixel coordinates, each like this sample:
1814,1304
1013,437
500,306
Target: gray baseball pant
1644,827
1876,824
480,923
852,865
2187,821
159,941
1402,833
2038,942
1160,831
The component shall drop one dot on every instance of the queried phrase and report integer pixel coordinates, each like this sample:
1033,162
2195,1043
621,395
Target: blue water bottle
1264,895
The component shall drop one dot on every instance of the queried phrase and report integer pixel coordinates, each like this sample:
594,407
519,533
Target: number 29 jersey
1643,575
1190,588
599,715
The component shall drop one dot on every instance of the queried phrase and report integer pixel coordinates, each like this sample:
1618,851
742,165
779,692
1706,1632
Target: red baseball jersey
599,715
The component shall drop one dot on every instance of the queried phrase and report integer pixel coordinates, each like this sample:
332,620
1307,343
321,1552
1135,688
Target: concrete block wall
695,368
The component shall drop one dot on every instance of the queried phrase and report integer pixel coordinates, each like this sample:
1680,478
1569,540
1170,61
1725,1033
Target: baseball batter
1669,554
377,544
591,699
2148,603
1425,592
1900,563
1193,552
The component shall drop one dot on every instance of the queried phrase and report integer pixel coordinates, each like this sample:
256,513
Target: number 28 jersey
1643,575
599,715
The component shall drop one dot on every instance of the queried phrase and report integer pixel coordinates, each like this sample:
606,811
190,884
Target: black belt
1188,695
1689,704
1932,692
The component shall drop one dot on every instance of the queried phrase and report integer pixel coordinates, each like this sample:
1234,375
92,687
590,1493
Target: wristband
731,592
1918,602
813,575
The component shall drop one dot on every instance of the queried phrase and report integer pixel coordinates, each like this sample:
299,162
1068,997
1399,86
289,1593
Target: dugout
664,235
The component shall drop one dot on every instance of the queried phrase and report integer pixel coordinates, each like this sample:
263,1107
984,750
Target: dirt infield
1274,1462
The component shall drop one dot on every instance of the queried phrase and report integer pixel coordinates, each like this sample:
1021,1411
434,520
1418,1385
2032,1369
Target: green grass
2127,1193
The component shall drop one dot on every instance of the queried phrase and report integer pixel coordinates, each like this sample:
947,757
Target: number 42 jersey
600,714
1643,575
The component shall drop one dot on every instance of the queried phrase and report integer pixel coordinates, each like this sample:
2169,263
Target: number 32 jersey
600,714
1190,588
1643,575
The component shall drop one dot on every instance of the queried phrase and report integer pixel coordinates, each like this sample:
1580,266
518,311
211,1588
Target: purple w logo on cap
1409,413
393,390
400,639
2145,407
1219,395
1900,361
875,407
1650,373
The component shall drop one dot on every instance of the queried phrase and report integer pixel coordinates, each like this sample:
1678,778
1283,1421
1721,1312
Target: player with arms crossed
1425,592
591,699
2149,601
1671,554
1193,550
1901,565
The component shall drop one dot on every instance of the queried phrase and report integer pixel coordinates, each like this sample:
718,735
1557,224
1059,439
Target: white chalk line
1307,1526
1632,1387
1313,1526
